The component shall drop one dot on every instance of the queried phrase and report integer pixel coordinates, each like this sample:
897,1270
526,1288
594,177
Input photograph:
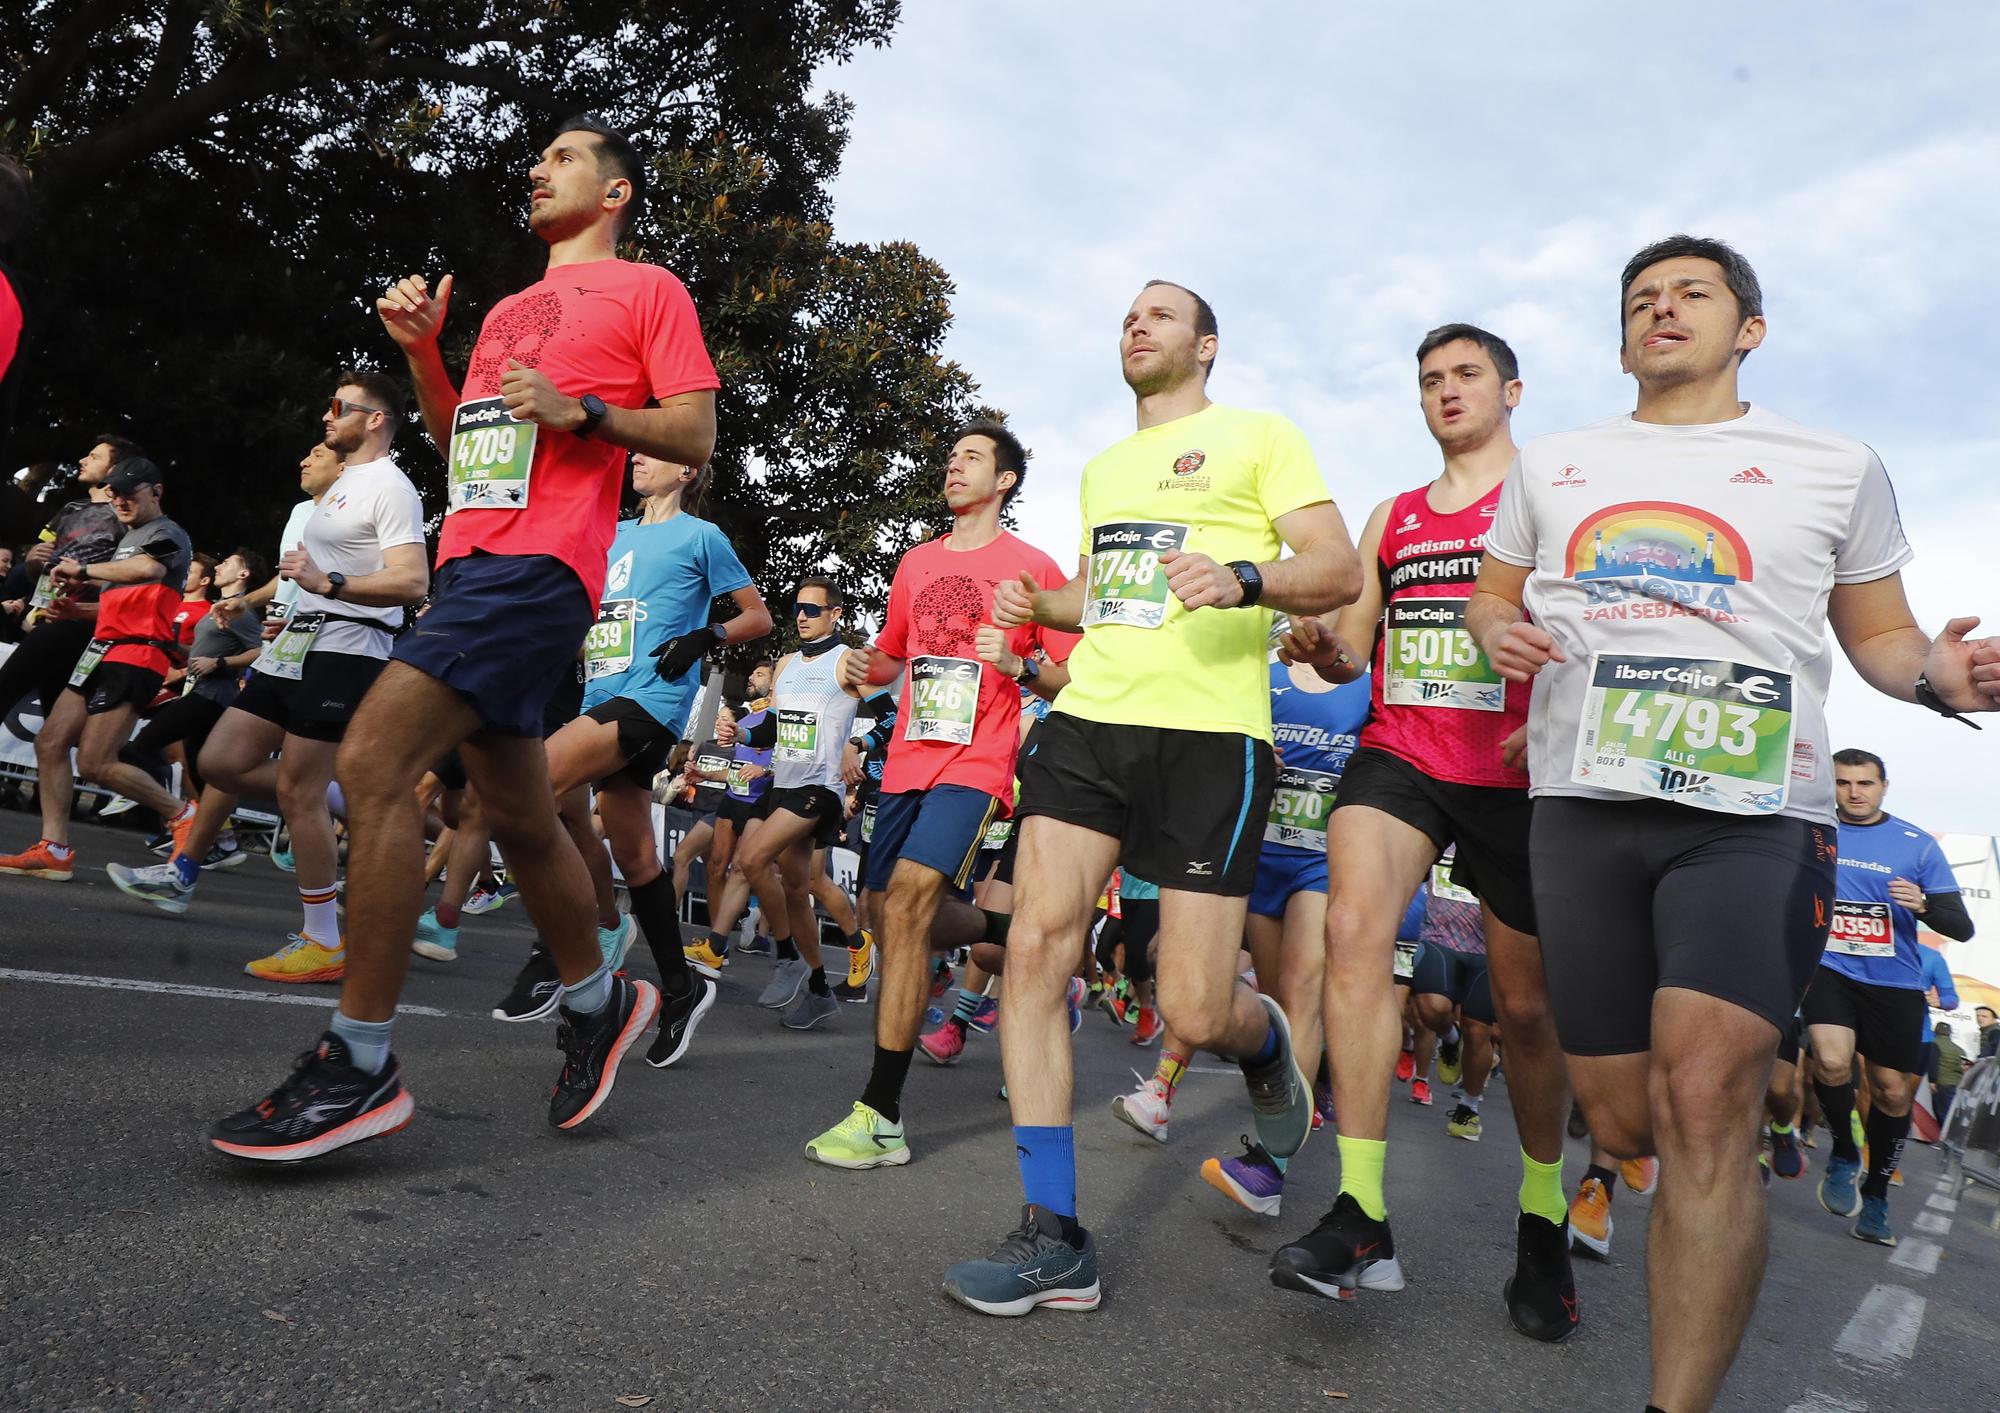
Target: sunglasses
340,407
810,610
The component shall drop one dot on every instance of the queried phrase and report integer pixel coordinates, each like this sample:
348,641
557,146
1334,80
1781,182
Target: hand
853,803
67,569
1965,672
725,732
990,645
62,609
228,610
1310,641
203,666
1514,747
674,657
14,608
852,764
531,397
297,566
1199,582
1014,601
752,771
272,628
410,313
1908,894
40,553
856,666
1521,650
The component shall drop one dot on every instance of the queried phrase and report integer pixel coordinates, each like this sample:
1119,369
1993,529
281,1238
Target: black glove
675,656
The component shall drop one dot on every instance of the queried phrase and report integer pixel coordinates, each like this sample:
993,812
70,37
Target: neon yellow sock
1542,1190
1361,1164
1781,1129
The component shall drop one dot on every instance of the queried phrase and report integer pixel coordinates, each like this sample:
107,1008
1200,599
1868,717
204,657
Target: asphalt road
680,1248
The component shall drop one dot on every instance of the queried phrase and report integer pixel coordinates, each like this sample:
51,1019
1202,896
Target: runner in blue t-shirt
1868,994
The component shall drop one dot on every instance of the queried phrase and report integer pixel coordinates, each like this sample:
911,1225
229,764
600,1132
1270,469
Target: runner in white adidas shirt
1681,565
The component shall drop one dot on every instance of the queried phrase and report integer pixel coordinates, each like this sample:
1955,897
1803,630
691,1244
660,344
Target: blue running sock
367,1041
1048,1167
186,869
968,1003
590,995
1266,1052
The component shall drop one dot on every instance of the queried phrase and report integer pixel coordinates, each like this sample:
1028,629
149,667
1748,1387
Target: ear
1751,335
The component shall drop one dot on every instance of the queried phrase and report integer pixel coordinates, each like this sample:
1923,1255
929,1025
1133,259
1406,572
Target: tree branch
176,44
66,47
466,76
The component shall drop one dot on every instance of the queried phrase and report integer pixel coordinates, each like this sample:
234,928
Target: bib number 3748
1127,584
491,456
1716,735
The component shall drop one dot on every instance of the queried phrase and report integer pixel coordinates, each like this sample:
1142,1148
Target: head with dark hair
589,171
350,422
201,575
107,449
1492,345
245,566
1674,324
816,607
1469,382
1170,338
1860,780
983,455
655,476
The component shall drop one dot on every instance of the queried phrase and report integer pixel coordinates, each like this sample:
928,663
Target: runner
1156,756
949,772
119,671
1868,994
1429,773
1681,565
359,560
706,778
1454,997
598,357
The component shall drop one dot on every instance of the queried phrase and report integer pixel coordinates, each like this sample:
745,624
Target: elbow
756,623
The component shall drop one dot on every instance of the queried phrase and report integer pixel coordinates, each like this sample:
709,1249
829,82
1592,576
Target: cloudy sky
1337,179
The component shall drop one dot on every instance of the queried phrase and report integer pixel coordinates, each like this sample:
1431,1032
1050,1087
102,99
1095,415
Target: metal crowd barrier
1971,1137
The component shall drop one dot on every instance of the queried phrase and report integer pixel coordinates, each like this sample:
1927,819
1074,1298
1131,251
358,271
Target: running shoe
227,853
1541,1296
1640,1175
1874,1223
182,829
853,995
758,946
1590,1217
864,1139
788,978
282,860
1420,1093
1896,1178
1280,1093
325,1104
1837,1190
1788,1159
536,990
934,1016
1323,1104
1349,1251
1451,1061
1406,1066
944,1045
433,939
40,862
1463,1123
1149,1029
486,900
116,806
301,960
1252,1181
594,1045
1112,1002
1074,1000
704,958
614,942
158,884
861,961
986,1016
1764,1164
161,843
679,1015
941,979
1035,1265
1146,1108
810,1010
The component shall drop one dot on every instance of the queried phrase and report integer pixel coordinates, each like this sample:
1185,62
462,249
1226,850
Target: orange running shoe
1590,1217
1641,1175
42,861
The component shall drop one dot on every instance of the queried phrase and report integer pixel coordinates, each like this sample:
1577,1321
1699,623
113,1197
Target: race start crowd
1542,767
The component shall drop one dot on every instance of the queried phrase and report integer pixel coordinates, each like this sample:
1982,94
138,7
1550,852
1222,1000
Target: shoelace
1021,1245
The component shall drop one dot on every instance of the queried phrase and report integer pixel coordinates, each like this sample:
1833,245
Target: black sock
1836,1103
788,950
1607,1176
1885,1149
854,941
957,1023
996,926
817,981
1072,1230
657,913
884,1093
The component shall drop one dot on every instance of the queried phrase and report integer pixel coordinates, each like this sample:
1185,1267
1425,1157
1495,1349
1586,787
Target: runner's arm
133,569
1945,914
403,579
1024,600
437,397
680,429
1323,572
752,620
1880,636
1499,624
1354,626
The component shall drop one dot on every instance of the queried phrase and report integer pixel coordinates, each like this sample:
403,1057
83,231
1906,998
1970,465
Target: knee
1435,1012
1522,1011
1701,1109
1619,1129
366,772
635,861
1200,1021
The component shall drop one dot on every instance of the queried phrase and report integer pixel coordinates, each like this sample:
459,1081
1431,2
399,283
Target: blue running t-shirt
1315,733
1874,938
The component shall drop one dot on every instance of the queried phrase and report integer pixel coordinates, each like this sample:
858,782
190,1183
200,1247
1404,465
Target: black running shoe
592,1047
325,1104
1541,1297
853,995
1348,1251
679,1015
536,990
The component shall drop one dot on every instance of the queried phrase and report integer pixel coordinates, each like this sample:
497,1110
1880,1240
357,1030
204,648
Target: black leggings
41,663
1137,929
186,719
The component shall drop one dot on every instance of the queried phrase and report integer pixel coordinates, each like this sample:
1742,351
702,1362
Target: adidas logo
1751,476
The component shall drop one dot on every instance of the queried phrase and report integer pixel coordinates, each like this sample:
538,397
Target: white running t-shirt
1684,571
371,508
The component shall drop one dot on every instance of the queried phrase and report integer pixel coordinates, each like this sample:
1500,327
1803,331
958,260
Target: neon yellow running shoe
703,957
301,959
864,1139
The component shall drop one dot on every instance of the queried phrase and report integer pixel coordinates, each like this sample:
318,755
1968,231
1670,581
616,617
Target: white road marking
1883,1332
175,988
1931,1222
1941,1203
1827,1403
1917,1255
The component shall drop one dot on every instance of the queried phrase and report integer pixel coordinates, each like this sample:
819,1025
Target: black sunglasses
810,610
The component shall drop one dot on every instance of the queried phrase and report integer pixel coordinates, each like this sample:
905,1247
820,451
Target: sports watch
593,413
336,584
1252,582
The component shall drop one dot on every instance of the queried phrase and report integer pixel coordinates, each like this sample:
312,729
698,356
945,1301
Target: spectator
10,616
1946,1071
1989,1030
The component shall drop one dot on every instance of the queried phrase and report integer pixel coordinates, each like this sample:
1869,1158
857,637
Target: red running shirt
1437,702
958,721
628,333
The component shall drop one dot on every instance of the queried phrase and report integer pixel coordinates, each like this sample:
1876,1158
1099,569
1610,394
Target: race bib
1127,584
87,664
607,647
1701,731
285,655
1406,961
491,456
1443,887
944,699
1430,660
1861,930
44,594
739,779
868,823
997,834
798,735
715,765
1300,807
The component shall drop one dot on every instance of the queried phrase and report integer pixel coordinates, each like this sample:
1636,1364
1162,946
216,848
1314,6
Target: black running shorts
643,742
1887,1021
318,704
118,684
1635,896
1188,806
814,802
1489,823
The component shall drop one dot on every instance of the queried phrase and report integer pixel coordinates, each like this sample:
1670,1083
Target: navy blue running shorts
940,828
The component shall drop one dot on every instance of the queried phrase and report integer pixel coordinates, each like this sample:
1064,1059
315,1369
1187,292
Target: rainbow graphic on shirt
1657,539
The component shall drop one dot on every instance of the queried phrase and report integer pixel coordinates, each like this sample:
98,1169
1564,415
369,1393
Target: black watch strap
1251,581
593,413
1927,696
